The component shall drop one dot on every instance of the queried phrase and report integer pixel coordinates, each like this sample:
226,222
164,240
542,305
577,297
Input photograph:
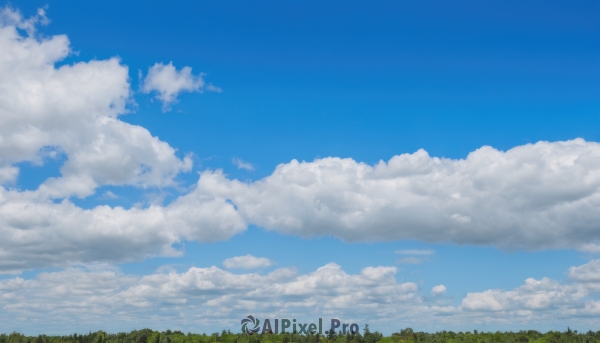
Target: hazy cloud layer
212,298
199,297
418,252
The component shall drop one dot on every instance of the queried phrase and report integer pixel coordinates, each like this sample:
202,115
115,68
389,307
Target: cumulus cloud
535,196
247,262
40,233
198,296
213,299
589,272
168,83
533,295
438,290
73,110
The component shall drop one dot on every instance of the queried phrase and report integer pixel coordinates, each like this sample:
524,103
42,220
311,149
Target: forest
403,336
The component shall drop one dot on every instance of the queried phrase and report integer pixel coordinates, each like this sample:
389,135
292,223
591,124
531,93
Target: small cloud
409,260
247,262
109,195
241,164
212,88
438,290
168,83
420,252
590,248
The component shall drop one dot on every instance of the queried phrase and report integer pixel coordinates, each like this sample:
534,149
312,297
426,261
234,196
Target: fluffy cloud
73,110
198,297
533,295
535,196
41,233
247,262
589,272
168,83
438,290
212,299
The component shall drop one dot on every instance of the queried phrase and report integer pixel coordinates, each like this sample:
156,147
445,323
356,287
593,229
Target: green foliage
403,336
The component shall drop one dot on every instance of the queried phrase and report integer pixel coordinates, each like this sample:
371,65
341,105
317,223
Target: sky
399,164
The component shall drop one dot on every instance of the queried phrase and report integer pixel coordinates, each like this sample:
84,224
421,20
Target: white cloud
241,164
12,17
213,88
535,196
40,233
533,295
247,262
169,83
109,195
73,109
438,290
589,272
213,299
197,297
416,252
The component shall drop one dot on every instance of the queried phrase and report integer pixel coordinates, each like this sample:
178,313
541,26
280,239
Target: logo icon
252,321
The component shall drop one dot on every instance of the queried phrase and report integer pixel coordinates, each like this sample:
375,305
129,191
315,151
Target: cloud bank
212,297
536,196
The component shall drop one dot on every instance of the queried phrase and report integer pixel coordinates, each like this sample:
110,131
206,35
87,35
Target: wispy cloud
108,195
416,252
247,262
409,260
241,164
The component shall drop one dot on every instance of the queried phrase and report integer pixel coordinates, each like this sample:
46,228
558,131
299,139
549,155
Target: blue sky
338,87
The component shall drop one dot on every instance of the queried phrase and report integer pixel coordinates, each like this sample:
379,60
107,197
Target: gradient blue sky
361,80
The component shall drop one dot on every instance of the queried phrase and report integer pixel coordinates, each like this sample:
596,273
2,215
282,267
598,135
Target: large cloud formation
536,196
209,298
73,110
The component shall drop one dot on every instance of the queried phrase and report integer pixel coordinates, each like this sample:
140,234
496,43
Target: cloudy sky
426,165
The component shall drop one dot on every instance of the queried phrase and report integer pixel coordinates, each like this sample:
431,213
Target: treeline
404,336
